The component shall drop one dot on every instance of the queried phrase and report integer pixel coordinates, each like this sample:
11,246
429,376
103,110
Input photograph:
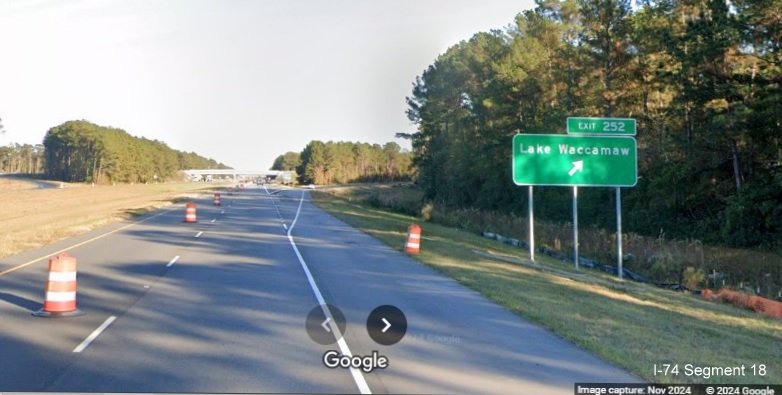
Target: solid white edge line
358,377
173,261
94,335
199,234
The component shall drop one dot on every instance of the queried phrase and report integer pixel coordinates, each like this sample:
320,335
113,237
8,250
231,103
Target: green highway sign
569,160
618,126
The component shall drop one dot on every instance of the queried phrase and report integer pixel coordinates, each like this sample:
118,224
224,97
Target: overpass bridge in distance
236,174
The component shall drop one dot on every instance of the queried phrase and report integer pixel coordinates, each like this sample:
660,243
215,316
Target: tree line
343,162
22,158
79,151
701,77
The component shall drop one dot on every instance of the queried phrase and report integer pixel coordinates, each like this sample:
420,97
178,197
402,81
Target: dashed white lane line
94,335
173,261
222,212
213,220
199,234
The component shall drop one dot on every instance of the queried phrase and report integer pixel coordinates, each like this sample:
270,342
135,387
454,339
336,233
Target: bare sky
239,81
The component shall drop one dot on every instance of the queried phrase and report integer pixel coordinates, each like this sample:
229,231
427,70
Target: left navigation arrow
325,324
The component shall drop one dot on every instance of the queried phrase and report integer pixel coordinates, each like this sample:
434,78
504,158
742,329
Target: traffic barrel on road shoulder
190,212
60,299
217,199
413,244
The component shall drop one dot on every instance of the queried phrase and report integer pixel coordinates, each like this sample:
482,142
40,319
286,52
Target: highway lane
457,340
228,315
115,270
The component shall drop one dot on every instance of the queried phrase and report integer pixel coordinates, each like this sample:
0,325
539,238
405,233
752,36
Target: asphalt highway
220,306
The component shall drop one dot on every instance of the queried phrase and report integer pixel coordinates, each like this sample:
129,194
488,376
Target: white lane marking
222,212
200,233
173,261
94,335
285,226
343,346
213,220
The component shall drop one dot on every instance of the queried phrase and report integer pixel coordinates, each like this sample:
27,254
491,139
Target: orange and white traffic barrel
217,199
190,212
60,300
413,244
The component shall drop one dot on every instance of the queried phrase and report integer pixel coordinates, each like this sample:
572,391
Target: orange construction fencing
760,305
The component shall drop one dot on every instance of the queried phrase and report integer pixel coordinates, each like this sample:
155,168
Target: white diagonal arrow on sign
577,166
388,325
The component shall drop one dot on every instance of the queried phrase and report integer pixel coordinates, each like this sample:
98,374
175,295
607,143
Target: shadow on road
20,301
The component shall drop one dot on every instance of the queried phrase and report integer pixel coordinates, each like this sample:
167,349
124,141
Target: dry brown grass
33,218
12,184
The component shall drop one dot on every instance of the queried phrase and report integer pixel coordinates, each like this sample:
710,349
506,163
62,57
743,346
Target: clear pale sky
239,81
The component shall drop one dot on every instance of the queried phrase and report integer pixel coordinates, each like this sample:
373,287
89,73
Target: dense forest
702,78
79,151
342,162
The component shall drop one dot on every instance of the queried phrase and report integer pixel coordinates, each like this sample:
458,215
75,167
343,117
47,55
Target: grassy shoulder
635,326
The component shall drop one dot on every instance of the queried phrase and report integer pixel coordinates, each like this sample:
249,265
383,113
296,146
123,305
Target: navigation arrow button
387,325
325,324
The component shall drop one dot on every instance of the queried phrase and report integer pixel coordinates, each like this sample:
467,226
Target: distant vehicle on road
311,186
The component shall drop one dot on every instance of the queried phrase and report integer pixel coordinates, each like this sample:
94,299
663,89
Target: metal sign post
530,214
575,225
619,231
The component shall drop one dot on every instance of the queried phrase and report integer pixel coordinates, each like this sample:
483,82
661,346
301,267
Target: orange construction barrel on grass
217,199
413,244
190,212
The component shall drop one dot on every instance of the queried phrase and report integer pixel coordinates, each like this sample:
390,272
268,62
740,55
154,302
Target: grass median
635,326
30,218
